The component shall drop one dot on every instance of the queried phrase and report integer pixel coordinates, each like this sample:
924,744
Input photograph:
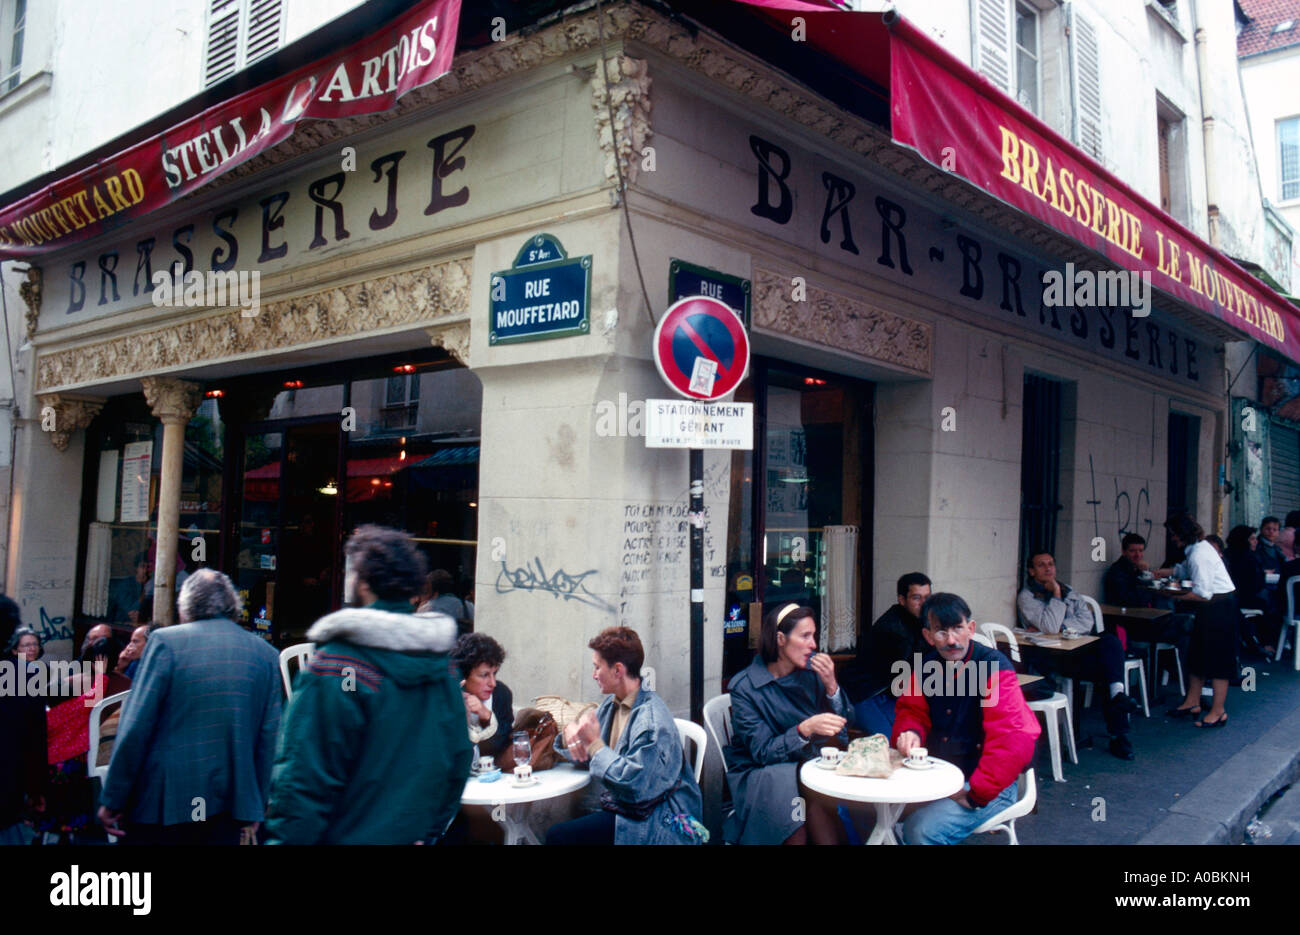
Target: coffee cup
1188,584
523,773
919,755
832,755
485,764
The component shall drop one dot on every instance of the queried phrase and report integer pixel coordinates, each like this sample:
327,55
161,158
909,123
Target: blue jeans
876,714
947,822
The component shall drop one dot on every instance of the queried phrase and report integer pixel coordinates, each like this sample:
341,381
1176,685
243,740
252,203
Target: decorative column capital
626,83
453,338
171,400
61,415
31,293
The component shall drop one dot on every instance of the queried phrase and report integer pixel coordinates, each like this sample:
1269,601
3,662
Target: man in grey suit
192,761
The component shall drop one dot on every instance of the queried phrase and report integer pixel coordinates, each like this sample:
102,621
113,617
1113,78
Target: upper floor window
1027,56
240,32
13,23
1288,157
1007,38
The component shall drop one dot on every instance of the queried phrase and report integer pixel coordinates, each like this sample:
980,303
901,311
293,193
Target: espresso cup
919,755
831,755
523,773
485,764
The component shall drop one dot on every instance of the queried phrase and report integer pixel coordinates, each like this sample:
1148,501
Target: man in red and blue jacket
963,704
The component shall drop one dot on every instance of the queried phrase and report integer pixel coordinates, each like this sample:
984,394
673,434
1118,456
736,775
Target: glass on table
523,749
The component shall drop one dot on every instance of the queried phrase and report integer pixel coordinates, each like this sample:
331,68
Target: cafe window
799,503
1040,466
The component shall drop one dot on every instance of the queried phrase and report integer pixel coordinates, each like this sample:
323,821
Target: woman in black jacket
1248,575
488,703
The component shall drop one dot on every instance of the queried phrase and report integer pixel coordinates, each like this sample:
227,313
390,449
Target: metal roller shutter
1284,469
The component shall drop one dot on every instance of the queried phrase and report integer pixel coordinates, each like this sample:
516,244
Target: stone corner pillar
173,403
61,414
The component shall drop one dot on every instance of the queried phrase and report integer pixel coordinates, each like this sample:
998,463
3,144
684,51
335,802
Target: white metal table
905,786
515,801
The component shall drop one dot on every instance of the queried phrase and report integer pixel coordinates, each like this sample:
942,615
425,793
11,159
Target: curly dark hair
474,649
388,561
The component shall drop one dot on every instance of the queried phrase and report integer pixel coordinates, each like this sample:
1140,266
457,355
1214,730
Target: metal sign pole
697,585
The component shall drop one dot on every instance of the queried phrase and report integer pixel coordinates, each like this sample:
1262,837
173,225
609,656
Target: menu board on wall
137,460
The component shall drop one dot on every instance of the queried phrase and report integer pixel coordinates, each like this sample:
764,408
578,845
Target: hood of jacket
409,648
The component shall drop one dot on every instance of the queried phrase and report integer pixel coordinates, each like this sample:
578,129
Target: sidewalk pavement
1187,785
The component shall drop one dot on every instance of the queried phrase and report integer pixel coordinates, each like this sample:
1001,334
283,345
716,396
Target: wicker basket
562,709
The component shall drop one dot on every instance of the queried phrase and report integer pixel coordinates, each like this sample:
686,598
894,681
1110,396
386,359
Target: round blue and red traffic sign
701,348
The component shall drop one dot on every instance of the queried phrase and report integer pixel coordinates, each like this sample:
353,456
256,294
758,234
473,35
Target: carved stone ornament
453,338
411,298
628,87
61,415
841,322
171,400
31,293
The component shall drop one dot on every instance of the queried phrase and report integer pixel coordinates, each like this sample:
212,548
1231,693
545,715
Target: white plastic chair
1050,708
302,653
1290,621
1005,820
689,730
97,715
1130,665
648,678
717,718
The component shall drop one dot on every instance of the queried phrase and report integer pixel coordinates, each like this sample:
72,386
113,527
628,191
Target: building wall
1269,83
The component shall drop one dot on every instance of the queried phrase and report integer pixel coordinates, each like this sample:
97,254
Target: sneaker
1122,748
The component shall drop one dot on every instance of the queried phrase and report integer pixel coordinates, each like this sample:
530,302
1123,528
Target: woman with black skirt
1212,653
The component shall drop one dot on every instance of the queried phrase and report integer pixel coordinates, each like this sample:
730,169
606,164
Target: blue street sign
543,295
686,279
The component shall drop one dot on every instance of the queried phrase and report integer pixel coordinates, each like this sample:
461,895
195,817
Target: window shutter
1284,468
1087,88
264,17
1162,127
220,59
992,39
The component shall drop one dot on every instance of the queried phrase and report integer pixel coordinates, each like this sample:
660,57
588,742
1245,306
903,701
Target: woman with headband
784,706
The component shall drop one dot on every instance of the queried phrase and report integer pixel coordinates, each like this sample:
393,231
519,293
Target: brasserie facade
918,405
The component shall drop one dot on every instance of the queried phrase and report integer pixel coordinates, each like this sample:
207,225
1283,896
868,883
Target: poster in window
137,459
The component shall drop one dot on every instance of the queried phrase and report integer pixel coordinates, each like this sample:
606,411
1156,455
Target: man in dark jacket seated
980,725
894,637
1123,588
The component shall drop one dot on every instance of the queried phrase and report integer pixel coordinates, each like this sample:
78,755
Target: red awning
957,120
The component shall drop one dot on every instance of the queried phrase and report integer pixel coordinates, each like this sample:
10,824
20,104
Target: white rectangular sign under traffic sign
684,423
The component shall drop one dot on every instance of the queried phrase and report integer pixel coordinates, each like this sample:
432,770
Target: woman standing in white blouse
1212,653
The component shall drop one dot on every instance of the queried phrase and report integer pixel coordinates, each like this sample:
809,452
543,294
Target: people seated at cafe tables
1051,606
784,707
632,748
1269,550
1123,586
988,733
894,637
1212,654
1242,561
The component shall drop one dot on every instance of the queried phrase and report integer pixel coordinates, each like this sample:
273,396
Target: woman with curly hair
488,703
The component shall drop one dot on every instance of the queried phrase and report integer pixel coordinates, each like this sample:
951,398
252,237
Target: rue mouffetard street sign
544,294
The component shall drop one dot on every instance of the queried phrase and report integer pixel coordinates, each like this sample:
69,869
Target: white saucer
822,764
928,764
524,783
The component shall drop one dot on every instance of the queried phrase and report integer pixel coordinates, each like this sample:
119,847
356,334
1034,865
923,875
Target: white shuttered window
240,32
992,37
1087,88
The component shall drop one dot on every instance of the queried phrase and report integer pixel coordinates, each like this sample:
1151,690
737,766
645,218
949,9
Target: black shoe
1124,704
1122,748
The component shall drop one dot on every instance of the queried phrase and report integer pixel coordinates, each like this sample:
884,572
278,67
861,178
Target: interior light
813,381
293,384
404,368
215,394
473,505
374,481
328,490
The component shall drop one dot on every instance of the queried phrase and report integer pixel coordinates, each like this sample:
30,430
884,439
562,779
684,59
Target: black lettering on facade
316,192
972,277
444,164
1107,330
892,218
220,264
1173,353
77,287
187,255
272,219
106,272
839,192
1079,323
1192,372
1010,267
1131,349
768,173
380,221
143,263
1153,346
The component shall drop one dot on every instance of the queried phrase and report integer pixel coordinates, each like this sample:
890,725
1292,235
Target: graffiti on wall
532,576
1132,509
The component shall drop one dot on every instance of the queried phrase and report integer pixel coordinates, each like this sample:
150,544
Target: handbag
542,730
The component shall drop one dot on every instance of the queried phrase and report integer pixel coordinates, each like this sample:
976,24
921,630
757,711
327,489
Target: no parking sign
701,348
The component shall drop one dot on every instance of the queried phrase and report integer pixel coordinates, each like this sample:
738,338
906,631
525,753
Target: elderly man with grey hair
192,762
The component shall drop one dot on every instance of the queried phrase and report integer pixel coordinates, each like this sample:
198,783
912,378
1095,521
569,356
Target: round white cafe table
515,801
889,796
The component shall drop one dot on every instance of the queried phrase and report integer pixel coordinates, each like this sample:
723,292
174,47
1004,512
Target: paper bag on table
867,756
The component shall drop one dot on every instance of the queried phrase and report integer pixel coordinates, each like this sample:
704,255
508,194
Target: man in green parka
374,748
